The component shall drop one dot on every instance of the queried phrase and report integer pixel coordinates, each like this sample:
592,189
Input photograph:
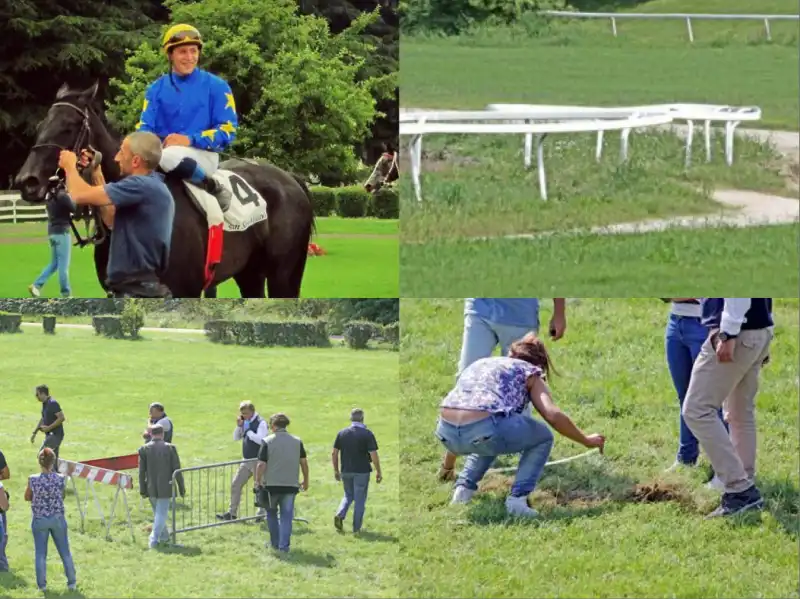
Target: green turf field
361,261
105,386
611,265
476,186
593,538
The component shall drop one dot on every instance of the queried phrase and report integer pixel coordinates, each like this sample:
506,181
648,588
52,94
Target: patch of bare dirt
657,492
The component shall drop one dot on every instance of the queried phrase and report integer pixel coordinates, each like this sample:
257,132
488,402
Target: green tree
47,42
300,102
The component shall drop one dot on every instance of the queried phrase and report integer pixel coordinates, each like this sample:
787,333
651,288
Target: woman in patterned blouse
45,491
482,417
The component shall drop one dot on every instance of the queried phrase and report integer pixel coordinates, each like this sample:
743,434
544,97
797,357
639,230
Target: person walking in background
46,491
727,370
280,458
59,217
251,429
51,422
5,474
683,338
483,417
489,322
359,449
158,461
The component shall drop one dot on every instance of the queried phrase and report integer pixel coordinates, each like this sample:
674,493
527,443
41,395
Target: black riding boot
219,191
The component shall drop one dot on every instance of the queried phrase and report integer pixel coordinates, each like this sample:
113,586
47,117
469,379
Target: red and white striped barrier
93,473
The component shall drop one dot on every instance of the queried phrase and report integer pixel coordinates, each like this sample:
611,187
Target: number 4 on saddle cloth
247,208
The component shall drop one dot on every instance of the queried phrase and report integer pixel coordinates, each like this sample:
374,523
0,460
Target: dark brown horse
273,251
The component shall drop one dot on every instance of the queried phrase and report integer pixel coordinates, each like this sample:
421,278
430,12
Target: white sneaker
462,495
676,465
716,484
518,506
34,290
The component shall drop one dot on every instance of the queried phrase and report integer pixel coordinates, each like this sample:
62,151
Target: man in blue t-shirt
140,210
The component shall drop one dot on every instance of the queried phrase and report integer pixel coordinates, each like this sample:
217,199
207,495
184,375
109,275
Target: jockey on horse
192,111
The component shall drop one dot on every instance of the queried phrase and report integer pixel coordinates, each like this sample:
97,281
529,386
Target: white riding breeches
172,156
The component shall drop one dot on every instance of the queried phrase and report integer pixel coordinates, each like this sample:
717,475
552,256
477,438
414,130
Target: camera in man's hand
261,497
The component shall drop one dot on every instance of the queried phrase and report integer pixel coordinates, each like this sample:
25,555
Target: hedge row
358,333
264,334
63,307
355,202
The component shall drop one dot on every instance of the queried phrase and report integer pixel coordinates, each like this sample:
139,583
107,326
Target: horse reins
57,181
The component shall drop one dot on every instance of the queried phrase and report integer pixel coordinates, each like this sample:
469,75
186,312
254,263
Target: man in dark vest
359,451
251,429
726,371
158,417
280,458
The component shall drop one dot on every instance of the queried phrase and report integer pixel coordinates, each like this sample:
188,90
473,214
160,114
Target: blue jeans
3,542
683,338
355,485
60,248
280,532
498,434
160,532
43,529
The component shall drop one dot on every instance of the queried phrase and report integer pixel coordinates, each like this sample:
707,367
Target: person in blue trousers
59,216
45,491
683,339
483,416
489,322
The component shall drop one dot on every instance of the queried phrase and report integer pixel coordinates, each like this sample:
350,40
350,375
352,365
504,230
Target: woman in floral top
45,491
482,417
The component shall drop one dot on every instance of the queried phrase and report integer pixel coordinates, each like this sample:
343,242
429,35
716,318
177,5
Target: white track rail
417,124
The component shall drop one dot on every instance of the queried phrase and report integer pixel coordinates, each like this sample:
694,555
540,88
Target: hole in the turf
655,493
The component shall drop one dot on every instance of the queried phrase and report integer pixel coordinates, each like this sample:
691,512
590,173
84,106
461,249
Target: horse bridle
57,182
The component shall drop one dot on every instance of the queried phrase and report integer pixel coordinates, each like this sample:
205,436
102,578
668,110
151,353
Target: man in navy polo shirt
726,371
51,422
359,450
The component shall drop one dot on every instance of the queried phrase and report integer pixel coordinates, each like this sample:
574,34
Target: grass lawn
477,185
594,539
201,385
612,266
579,61
362,261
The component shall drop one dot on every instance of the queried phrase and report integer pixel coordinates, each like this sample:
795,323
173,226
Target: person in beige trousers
251,429
727,371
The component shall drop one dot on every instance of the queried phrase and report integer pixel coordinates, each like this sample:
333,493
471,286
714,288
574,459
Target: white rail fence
687,17
14,210
538,120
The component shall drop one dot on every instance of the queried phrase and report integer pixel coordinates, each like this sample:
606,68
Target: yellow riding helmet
181,35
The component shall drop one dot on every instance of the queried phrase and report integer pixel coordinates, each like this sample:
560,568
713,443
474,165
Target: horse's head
65,127
385,171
